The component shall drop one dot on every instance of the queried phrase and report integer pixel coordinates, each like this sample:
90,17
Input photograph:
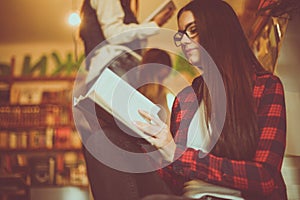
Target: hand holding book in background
162,14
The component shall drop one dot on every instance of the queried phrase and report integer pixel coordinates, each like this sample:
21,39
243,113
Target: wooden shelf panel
32,150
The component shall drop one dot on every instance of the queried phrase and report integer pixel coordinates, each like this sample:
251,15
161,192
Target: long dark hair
221,35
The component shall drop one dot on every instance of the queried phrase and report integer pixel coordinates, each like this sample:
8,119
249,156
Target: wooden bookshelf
36,124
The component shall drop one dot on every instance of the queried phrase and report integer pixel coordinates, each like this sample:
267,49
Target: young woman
249,151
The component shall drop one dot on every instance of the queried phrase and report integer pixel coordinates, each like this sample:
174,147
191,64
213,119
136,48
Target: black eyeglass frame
179,35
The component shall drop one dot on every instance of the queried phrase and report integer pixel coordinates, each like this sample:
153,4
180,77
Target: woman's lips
188,50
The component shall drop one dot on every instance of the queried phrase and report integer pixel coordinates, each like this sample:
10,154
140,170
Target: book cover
168,4
42,170
62,137
197,189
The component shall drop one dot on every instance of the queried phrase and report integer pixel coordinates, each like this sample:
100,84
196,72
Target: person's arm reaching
110,16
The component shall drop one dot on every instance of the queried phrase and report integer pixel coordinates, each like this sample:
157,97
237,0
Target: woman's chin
194,61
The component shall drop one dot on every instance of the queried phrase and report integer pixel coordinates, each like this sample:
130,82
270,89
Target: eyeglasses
190,31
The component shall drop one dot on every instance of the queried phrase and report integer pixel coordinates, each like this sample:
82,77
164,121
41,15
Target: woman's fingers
161,137
149,129
150,118
145,115
155,128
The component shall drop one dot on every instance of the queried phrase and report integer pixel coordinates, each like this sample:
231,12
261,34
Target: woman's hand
161,137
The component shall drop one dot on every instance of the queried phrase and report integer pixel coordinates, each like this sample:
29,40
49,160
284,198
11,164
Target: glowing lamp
74,19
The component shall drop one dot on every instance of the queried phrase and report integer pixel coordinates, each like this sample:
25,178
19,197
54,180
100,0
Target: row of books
27,96
55,169
32,95
34,115
49,138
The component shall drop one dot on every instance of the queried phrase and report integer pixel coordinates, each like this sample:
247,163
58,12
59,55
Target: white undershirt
198,134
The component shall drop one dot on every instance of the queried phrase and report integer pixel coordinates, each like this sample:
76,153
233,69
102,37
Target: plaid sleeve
173,179
259,176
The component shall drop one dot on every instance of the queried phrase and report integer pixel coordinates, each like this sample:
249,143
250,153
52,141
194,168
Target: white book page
120,99
222,196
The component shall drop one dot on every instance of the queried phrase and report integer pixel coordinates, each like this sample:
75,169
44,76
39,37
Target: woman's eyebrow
193,22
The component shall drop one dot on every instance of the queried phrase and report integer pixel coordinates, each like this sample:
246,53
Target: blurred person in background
105,20
114,22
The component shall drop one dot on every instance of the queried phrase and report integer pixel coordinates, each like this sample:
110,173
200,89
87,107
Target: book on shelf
62,137
42,170
112,91
167,4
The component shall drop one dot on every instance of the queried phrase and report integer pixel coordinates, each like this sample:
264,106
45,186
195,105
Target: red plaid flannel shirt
259,178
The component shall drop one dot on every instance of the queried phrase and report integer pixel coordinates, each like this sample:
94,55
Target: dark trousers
110,184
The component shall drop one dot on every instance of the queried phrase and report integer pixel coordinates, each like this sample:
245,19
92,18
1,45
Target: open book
115,95
167,4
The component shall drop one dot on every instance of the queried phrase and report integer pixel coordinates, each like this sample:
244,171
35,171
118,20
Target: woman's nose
185,40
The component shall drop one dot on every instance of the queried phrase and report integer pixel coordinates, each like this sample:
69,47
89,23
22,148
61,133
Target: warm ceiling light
74,19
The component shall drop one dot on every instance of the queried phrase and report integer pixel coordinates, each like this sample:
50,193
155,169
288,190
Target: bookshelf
38,138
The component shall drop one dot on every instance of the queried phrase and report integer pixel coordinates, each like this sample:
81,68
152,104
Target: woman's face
190,40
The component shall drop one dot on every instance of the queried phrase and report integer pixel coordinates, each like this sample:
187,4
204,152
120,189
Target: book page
120,99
